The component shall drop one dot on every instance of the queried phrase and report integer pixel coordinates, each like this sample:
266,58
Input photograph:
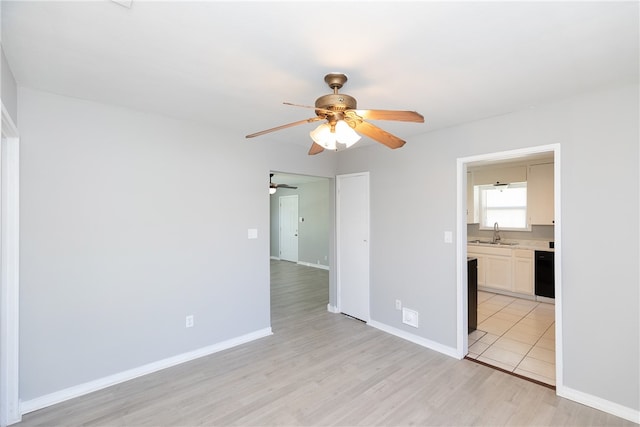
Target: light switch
448,237
252,233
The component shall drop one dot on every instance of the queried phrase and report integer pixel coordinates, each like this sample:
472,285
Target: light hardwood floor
322,369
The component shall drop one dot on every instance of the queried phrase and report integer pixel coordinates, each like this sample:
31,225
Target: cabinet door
481,263
481,270
498,272
523,275
540,194
492,175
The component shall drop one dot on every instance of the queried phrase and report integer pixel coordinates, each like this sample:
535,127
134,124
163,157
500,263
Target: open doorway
300,280
312,221
516,330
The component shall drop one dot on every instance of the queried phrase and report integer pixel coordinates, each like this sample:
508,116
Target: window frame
482,209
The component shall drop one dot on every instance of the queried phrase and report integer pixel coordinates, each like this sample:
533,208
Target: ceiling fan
343,119
273,186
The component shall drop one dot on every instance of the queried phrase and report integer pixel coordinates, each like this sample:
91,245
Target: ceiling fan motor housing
336,102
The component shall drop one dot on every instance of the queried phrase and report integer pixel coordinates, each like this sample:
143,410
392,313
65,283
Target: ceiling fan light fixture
345,134
335,107
342,133
323,136
272,190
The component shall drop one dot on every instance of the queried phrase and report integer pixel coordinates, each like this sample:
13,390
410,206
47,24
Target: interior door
352,223
289,228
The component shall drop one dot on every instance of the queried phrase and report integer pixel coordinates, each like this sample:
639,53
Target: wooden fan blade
309,106
379,135
315,149
300,122
402,116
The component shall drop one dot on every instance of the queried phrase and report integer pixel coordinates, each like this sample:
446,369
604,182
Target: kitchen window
504,204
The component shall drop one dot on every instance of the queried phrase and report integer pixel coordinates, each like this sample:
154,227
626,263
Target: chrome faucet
496,233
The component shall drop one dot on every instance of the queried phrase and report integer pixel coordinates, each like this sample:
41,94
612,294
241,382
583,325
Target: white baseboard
82,389
449,351
599,403
308,264
332,309
275,258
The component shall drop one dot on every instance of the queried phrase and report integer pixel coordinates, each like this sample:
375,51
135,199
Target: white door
352,224
9,283
289,228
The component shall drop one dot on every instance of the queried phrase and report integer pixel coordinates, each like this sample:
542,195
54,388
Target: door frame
462,344
338,307
10,412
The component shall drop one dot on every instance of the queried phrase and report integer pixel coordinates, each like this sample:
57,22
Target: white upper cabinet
500,175
540,194
471,208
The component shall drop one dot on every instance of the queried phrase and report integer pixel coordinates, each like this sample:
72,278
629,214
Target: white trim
600,404
432,345
9,279
82,389
462,336
461,246
332,309
308,264
9,128
557,233
275,258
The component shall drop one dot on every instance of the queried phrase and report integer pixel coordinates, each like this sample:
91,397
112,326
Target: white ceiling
232,64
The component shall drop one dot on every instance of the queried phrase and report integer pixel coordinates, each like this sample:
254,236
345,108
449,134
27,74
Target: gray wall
413,200
125,230
314,232
119,239
8,88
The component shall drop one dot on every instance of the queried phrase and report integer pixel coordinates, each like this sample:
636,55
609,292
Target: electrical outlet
398,304
189,321
410,317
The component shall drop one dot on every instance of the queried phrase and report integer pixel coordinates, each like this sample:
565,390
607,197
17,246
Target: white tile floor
515,334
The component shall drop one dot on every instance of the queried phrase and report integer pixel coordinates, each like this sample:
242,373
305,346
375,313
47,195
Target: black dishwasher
545,274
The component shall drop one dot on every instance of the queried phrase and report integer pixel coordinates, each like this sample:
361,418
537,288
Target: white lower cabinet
504,269
523,271
498,271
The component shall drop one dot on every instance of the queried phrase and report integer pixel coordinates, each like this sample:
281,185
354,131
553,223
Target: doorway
503,300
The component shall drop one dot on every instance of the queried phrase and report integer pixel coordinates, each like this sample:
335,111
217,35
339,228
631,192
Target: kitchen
510,235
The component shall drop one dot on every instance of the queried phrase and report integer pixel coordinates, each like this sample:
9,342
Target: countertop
536,245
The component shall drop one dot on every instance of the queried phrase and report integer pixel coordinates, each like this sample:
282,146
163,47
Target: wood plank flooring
321,369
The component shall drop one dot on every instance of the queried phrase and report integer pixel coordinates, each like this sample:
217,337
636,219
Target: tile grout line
522,317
